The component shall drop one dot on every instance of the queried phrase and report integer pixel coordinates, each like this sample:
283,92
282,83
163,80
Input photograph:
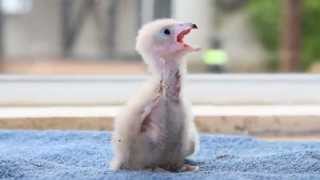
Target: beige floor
50,66
102,124
58,67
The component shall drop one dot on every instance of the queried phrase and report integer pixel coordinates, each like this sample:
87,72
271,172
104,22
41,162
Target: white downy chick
156,129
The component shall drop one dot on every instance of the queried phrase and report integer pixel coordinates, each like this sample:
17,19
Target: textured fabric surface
85,155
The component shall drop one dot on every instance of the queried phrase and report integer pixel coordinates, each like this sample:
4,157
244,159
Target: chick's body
156,129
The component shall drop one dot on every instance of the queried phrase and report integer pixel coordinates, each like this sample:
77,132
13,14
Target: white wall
91,40
198,12
244,50
37,32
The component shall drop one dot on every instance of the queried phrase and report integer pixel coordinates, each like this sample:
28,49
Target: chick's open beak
182,31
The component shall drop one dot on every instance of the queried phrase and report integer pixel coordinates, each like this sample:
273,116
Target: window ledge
259,120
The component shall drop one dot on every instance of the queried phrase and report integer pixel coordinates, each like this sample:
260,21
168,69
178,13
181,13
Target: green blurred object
265,16
215,57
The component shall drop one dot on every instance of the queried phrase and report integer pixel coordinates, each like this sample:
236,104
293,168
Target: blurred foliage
265,16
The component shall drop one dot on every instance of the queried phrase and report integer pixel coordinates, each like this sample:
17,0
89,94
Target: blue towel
86,155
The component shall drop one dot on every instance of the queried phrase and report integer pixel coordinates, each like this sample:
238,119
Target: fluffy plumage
156,129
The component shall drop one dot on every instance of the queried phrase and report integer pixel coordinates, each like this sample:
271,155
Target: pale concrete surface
226,89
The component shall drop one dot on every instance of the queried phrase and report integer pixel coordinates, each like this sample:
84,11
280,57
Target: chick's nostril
194,26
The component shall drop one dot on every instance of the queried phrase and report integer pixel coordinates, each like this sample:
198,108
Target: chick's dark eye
167,32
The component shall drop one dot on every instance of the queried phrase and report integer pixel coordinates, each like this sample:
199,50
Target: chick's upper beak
185,26
194,26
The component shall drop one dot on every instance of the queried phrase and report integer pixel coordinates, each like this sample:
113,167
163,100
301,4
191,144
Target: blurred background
97,37
51,37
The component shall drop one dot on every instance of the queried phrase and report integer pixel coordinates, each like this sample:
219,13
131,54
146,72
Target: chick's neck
169,74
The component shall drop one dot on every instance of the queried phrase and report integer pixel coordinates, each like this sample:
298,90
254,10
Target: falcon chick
156,129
